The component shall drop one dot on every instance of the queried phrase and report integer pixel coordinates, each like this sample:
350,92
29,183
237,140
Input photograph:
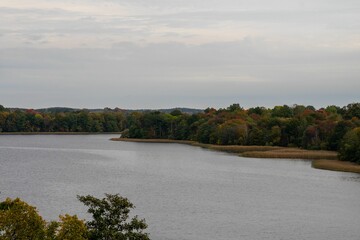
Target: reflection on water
184,192
351,178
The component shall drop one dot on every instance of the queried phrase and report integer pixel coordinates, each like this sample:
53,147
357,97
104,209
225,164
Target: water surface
183,192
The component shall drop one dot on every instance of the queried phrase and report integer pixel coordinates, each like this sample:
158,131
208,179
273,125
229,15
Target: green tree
233,132
274,136
282,111
181,131
16,122
256,137
257,110
352,110
350,146
110,124
111,219
298,109
3,117
84,121
234,107
206,133
176,112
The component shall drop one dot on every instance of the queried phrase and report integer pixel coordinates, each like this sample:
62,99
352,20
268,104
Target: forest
330,128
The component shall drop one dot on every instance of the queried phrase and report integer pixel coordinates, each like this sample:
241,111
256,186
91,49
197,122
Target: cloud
68,24
173,74
174,53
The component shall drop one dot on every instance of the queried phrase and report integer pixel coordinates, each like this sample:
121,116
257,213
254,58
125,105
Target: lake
183,192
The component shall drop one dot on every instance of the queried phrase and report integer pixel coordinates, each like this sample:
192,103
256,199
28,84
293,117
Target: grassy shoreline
326,160
336,165
57,133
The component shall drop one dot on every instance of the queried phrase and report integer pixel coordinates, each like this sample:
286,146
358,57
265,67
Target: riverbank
336,165
57,133
326,160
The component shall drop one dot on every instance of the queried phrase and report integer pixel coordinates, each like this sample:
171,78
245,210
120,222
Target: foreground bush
110,219
20,221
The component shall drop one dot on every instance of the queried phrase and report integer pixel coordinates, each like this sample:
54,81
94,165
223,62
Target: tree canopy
111,219
350,146
20,221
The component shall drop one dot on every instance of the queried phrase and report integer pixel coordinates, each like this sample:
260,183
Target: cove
183,192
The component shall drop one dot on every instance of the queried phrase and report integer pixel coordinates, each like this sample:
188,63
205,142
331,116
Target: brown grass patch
336,165
293,153
241,149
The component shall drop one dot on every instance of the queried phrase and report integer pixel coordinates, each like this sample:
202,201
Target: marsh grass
242,149
336,165
292,153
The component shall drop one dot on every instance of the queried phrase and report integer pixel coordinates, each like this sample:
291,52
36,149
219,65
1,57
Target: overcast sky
179,53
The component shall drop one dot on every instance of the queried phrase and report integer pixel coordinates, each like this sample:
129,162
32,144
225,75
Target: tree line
331,128
74,121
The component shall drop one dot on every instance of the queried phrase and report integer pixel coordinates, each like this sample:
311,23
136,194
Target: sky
180,53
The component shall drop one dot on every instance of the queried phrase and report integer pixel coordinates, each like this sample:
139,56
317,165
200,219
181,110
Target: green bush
350,146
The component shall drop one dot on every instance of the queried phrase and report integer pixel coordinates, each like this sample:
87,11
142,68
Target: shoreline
325,160
57,133
336,165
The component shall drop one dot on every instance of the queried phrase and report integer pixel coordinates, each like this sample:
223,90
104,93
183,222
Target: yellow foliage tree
20,221
71,228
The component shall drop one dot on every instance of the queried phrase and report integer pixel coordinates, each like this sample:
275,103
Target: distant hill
168,110
57,110
66,109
